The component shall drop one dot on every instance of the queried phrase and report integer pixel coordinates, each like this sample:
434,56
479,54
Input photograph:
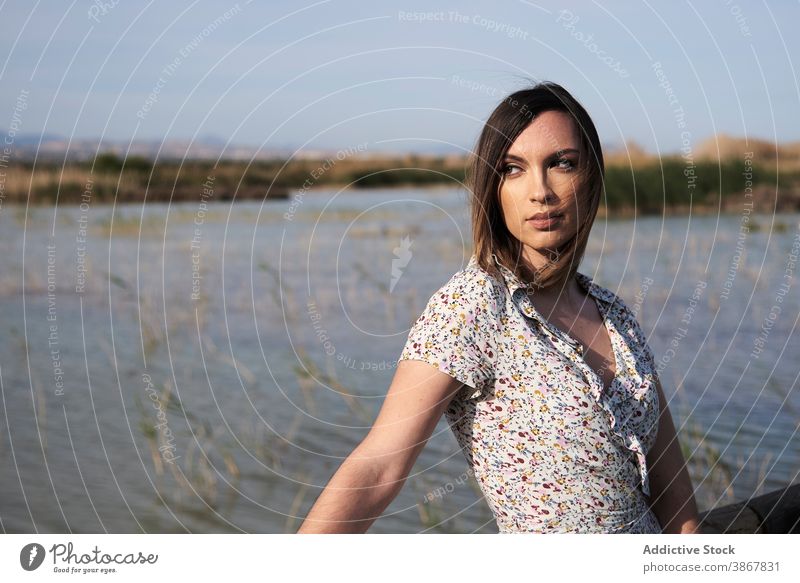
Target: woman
545,377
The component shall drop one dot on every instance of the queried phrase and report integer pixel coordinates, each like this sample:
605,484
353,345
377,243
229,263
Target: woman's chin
540,253
544,244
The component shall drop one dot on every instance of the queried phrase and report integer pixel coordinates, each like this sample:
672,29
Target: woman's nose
539,188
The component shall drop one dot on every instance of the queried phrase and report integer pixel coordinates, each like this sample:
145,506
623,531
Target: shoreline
251,194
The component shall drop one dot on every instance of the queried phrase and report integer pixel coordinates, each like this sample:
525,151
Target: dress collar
514,283
604,300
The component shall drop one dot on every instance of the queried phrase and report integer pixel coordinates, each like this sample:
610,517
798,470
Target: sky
394,75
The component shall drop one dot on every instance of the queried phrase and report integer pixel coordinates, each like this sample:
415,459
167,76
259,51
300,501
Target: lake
205,367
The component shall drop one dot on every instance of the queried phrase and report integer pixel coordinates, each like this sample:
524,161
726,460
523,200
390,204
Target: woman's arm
374,473
671,492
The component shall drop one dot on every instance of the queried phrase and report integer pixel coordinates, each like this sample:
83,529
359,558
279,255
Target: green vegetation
111,163
674,183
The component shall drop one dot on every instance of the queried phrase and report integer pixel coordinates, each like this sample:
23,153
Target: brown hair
484,178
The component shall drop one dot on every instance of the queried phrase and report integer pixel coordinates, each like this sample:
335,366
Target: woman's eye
508,167
564,164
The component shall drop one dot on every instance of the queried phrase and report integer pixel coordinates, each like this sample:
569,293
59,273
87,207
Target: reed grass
197,474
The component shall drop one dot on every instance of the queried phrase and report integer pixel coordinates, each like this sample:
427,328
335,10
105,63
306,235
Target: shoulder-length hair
484,177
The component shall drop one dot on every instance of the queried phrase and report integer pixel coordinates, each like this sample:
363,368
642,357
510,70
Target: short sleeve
456,331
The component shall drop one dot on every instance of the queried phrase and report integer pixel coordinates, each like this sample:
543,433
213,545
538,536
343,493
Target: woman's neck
559,295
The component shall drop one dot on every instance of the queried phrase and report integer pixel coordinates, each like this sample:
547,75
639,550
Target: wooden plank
777,512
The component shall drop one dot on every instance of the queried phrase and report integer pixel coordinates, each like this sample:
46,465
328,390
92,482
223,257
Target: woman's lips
544,223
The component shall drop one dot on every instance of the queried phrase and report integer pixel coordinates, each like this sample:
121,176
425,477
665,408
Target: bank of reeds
648,186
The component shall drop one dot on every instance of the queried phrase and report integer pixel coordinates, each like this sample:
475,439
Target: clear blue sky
375,73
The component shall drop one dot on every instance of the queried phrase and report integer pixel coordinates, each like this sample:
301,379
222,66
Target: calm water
254,347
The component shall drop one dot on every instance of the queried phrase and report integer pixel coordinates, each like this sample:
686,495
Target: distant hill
725,147
52,147
721,147
209,147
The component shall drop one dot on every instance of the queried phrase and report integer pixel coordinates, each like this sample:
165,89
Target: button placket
594,380
530,311
567,345
570,347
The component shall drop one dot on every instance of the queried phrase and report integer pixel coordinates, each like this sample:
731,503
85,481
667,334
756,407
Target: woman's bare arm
671,492
374,473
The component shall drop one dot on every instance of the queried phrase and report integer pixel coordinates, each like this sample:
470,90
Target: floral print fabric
551,448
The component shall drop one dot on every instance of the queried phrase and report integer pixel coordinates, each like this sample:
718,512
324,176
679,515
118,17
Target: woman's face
540,177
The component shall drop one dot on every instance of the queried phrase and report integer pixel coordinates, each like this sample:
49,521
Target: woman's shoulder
472,286
602,292
469,297
605,294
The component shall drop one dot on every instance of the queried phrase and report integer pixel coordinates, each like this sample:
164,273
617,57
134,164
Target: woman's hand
691,527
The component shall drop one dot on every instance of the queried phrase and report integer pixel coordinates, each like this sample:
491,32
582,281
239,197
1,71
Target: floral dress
551,448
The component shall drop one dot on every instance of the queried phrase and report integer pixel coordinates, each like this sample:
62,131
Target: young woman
545,377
